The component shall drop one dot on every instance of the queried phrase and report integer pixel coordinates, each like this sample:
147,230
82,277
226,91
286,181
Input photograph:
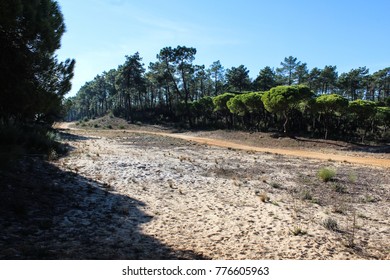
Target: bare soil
147,192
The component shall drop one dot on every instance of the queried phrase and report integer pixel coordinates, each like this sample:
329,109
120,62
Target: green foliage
383,116
282,99
203,107
331,103
242,104
352,83
236,105
266,79
363,114
173,89
32,81
288,71
220,102
330,106
326,174
362,108
238,78
253,102
387,101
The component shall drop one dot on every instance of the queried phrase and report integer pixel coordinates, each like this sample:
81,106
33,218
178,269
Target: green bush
326,174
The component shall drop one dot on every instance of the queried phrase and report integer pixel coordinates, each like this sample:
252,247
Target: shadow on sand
48,213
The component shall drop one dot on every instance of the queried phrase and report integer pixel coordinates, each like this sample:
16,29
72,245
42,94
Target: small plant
352,177
96,125
275,203
351,239
109,126
275,185
306,195
326,174
298,231
331,224
370,199
264,197
339,209
122,127
339,188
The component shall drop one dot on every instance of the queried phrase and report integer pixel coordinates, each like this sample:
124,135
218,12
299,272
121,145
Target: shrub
16,140
331,224
298,231
306,195
326,174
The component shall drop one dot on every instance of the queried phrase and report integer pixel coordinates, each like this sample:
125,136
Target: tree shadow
338,144
48,213
72,137
320,141
375,149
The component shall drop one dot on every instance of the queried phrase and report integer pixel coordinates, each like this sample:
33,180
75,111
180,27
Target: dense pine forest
291,98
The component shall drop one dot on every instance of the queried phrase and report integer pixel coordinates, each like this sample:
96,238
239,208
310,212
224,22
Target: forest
291,98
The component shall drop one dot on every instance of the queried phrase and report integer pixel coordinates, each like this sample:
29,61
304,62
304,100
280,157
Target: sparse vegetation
296,231
306,195
326,174
331,224
275,185
264,197
339,188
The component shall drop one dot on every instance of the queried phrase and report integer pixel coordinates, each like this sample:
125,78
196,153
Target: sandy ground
227,200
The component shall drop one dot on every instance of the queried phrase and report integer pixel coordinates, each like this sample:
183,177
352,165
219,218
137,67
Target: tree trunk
285,122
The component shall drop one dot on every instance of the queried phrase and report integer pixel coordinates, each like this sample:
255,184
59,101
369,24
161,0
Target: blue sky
255,33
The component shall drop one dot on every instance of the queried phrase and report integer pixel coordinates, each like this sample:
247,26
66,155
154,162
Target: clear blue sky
255,33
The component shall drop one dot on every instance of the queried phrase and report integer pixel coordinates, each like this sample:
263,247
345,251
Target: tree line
290,98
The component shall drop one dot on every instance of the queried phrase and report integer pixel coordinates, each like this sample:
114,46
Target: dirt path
364,160
287,152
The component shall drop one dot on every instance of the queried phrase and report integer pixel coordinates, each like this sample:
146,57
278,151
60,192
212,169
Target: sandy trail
363,160
286,152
